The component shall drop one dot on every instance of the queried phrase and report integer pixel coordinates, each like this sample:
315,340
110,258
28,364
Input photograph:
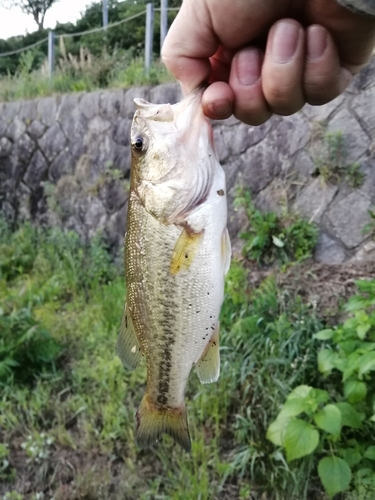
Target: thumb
189,45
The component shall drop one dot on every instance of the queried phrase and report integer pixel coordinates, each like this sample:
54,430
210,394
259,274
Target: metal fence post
149,36
51,53
163,21
105,14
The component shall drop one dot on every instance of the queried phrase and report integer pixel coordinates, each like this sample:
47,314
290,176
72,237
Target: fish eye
139,144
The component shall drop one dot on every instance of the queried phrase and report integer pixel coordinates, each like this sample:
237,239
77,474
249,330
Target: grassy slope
69,428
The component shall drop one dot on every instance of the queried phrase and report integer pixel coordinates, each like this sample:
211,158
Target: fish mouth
181,114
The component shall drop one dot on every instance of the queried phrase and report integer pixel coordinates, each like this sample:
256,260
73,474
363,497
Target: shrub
337,423
273,238
26,349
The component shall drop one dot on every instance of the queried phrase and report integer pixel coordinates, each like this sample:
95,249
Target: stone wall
66,160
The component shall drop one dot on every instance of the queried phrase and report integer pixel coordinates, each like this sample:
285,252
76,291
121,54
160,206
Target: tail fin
153,421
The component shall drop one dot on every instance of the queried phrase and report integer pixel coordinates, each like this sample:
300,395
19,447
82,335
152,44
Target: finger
202,26
217,101
354,34
283,67
324,78
245,81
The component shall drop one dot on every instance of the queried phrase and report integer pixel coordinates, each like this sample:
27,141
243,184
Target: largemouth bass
177,252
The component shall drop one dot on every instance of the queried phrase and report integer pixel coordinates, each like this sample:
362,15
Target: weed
370,227
37,447
83,72
336,423
273,238
332,165
26,348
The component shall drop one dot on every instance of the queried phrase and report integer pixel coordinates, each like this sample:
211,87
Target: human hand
266,56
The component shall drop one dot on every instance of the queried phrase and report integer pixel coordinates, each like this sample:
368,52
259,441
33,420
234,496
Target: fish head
168,140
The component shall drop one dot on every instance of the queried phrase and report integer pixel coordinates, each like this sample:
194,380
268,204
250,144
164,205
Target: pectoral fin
208,366
226,250
185,250
128,348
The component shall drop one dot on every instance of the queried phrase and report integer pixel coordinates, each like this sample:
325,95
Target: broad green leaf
300,439
349,416
335,474
366,363
301,391
350,324
362,330
319,395
293,407
370,452
348,346
324,334
372,418
351,365
325,361
329,419
276,241
355,391
365,285
368,346
276,431
354,304
352,456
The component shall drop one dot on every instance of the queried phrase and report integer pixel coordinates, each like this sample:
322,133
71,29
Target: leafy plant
26,348
337,423
17,258
370,227
277,238
332,165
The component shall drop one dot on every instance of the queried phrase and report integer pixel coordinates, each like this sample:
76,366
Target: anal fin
128,348
208,365
185,250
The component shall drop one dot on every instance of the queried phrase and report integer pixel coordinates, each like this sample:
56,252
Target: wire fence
149,24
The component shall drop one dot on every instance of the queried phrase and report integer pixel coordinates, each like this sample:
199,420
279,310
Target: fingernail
285,41
316,42
249,63
220,108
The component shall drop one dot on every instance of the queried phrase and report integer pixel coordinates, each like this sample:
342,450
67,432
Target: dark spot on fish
186,256
213,343
126,321
207,328
189,305
197,312
212,328
221,192
208,293
162,399
211,317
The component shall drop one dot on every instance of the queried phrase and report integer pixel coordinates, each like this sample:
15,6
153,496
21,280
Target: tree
35,8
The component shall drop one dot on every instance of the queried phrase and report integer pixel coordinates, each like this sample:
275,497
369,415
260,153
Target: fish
177,252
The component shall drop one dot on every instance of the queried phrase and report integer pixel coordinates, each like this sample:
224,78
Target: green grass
70,425
83,73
